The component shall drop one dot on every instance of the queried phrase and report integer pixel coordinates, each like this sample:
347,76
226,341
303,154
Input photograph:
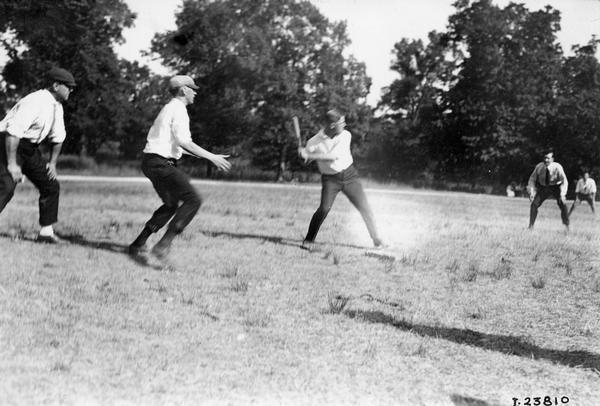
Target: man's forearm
54,153
563,188
321,156
197,151
12,143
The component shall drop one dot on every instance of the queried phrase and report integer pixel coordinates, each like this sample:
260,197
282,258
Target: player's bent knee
7,185
194,201
7,190
51,188
324,210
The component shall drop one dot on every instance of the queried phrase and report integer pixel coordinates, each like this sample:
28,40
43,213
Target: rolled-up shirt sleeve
21,117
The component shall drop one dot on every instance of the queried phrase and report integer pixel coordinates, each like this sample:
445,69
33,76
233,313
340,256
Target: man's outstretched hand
221,162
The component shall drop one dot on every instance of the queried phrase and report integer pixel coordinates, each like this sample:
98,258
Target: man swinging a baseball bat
330,147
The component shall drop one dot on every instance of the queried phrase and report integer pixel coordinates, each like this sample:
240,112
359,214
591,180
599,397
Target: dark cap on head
62,76
333,116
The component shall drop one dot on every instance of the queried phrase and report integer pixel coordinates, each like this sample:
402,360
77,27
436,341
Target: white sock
47,231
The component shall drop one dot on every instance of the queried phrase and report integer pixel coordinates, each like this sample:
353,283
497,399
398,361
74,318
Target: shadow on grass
77,239
267,238
501,343
110,247
100,245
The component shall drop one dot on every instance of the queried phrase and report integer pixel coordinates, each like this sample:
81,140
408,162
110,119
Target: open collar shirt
36,117
170,129
556,177
586,187
338,146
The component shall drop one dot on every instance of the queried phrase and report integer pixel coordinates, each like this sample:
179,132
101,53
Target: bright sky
374,26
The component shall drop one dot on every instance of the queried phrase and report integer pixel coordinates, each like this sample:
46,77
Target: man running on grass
330,147
168,138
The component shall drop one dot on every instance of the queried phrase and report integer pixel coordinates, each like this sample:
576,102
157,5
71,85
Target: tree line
476,104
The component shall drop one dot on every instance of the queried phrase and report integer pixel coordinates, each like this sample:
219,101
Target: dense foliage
260,63
478,103
114,98
484,100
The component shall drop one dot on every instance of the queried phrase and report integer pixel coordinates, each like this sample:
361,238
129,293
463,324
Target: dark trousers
347,182
587,197
34,167
180,200
543,193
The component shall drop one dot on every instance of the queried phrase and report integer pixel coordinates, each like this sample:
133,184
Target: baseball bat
297,129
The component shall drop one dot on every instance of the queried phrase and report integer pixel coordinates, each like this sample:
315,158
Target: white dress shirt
171,128
586,187
35,117
557,177
338,146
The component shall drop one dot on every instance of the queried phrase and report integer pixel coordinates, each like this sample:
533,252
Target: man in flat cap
36,117
168,138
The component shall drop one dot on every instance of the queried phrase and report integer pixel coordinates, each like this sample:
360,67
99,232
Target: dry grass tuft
239,284
336,258
333,255
503,269
473,269
409,259
389,265
539,282
337,302
253,318
230,271
16,232
453,267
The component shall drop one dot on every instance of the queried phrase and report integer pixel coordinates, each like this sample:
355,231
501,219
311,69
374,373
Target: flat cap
182,80
62,76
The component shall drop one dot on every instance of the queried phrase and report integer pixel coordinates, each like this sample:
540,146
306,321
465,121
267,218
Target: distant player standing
585,190
330,147
167,139
35,118
548,179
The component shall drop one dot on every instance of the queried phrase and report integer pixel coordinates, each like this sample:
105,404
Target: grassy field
475,310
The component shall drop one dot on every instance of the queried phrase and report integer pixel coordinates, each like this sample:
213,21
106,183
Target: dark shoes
308,245
140,252
136,250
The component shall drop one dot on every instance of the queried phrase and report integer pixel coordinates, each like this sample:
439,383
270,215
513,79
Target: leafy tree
259,63
77,35
504,97
575,129
146,94
404,144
